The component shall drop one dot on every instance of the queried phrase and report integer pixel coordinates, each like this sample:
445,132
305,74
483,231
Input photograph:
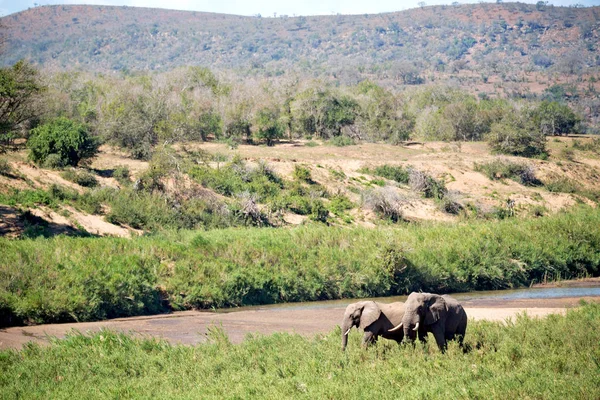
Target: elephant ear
370,314
437,308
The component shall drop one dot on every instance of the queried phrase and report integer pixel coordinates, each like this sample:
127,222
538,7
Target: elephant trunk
345,330
407,322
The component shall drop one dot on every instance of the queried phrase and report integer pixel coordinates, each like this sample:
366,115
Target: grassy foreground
553,358
82,279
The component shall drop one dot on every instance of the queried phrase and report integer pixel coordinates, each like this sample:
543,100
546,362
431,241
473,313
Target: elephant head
421,310
361,315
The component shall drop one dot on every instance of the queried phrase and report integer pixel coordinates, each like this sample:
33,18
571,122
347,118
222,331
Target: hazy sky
264,7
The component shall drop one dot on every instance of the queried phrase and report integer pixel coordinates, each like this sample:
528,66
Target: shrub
340,203
385,202
562,185
69,141
554,118
428,186
82,178
121,174
513,135
318,211
54,161
341,141
269,126
393,172
302,174
502,168
5,168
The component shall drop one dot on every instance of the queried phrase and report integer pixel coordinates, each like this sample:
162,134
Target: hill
507,49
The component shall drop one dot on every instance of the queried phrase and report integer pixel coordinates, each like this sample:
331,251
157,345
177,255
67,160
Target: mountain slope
407,47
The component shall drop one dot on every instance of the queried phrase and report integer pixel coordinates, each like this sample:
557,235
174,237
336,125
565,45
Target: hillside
286,183
433,39
507,50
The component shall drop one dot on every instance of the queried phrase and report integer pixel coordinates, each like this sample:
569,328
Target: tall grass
553,358
63,279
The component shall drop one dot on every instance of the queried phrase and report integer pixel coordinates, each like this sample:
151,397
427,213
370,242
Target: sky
267,8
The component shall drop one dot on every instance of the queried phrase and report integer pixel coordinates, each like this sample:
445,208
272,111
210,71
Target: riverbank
192,327
85,279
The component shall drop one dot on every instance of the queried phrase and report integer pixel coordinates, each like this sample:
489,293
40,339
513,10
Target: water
585,290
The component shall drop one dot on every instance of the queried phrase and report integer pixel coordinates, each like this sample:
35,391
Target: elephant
376,319
443,316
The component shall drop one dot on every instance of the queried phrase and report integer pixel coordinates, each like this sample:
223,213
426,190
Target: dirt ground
191,327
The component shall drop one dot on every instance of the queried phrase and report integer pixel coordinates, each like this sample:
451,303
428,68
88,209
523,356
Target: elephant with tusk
376,319
443,316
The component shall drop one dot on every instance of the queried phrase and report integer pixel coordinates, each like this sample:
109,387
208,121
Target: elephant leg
368,339
438,333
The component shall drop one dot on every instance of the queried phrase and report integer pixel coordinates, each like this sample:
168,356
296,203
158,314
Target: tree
269,126
19,85
61,142
515,134
553,118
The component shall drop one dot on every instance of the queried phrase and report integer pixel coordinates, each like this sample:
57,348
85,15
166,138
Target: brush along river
191,327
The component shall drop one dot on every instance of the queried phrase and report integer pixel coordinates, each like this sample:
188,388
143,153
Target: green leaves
67,140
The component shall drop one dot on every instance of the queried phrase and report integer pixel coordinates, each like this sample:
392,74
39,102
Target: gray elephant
376,319
443,316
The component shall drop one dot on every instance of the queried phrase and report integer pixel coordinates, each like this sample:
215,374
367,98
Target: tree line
137,112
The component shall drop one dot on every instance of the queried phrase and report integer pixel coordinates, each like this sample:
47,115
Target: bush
393,172
68,142
428,186
82,178
385,202
121,174
504,169
554,118
269,126
302,174
340,203
54,161
562,185
5,168
341,141
515,136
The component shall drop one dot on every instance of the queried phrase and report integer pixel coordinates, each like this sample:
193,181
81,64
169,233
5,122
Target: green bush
553,118
63,138
516,135
499,169
341,141
392,172
121,174
82,178
562,185
302,173
5,168
340,203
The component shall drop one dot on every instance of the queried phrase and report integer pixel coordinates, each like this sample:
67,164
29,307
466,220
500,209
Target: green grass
553,358
66,279
393,172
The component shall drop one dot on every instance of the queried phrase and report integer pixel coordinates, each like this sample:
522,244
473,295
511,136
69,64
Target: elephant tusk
396,328
416,327
347,332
